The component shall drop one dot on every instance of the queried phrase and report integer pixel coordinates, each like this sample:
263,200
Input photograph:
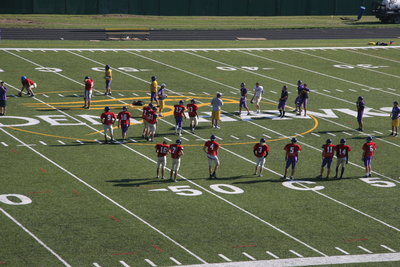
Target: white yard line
311,261
390,249
34,236
124,264
224,258
105,196
4,144
296,253
150,262
366,250
343,251
249,256
369,55
175,261
272,255
201,49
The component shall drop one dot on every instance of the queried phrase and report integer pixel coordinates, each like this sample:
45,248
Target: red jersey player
291,157
27,84
89,84
145,112
124,121
162,152
261,151
108,118
368,153
151,120
176,153
328,151
211,149
179,114
342,154
194,118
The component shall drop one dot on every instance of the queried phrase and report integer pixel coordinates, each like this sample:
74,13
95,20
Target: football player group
261,150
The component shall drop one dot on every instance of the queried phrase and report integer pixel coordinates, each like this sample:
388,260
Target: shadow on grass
298,180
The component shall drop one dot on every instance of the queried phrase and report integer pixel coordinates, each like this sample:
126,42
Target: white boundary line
105,196
35,237
311,261
199,49
197,185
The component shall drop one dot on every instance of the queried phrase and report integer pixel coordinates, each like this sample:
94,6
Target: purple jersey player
360,112
243,99
282,101
300,88
303,99
395,116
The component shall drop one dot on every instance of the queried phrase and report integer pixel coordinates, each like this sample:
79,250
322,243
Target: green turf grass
84,227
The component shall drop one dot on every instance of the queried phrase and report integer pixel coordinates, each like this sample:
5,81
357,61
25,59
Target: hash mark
80,142
184,138
150,262
317,135
120,94
61,142
249,256
45,95
4,144
98,141
391,89
234,137
43,143
224,257
326,90
235,93
296,253
96,264
366,90
267,136
252,137
273,92
272,255
174,260
192,93
61,95
339,90
352,90
133,140
366,250
390,249
76,95
343,251
124,264
166,138
135,94
331,134
206,93
347,133
377,132
297,134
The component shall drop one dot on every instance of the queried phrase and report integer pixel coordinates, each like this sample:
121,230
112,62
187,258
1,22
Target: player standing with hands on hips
292,156
211,149
261,151
368,153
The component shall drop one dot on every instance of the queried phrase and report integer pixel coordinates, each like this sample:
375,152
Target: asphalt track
375,34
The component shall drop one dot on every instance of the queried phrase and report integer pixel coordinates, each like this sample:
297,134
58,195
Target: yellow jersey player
153,89
108,78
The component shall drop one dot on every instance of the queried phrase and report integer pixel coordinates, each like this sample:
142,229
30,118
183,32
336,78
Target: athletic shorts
108,84
161,103
360,116
193,120
297,101
108,128
341,161
176,163
291,161
303,102
87,94
179,122
3,103
367,161
281,105
326,161
212,159
396,122
243,102
153,96
260,161
151,127
216,115
161,161
124,127
257,100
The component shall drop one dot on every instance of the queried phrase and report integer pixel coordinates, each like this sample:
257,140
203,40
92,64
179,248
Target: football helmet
242,85
343,141
329,141
181,102
262,140
23,78
193,101
294,140
153,78
213,137
178,141
107,109
107,67
124,108
369,138
87,77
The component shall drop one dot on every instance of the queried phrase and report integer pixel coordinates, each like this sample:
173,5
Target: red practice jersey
261,150
151,117
328,150
124,117
212,148
162,150
292,150
108,118
192,109
176,150
27,82
146,110
179,110
89,83
342,150
369,149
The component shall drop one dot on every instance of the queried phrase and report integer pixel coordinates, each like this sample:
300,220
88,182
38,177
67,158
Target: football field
68,199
